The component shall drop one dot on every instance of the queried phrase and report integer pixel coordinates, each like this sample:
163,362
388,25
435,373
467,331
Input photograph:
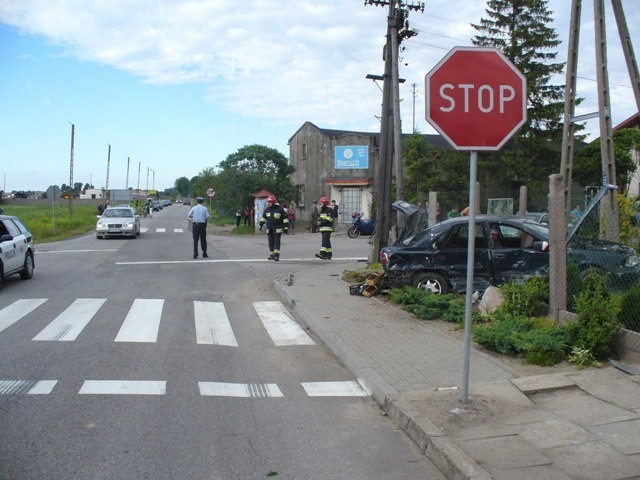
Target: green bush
597,323
629,315
538,340
504,334
430,306
529,299
574,285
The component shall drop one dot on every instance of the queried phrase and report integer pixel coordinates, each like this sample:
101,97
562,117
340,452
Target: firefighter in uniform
325,225
277,222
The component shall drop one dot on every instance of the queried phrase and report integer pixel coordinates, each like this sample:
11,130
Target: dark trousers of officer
274,241
199,233
325,249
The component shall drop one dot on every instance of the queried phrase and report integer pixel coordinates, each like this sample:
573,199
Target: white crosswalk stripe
282,329
142,322
243,390
123,387
18,309
334,389
142,325
178,230
28,387
212,324
68,325
161,230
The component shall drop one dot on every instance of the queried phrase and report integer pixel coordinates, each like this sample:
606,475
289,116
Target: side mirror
6,237
541,246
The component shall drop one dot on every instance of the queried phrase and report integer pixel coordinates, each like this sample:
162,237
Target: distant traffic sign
211,192
476,98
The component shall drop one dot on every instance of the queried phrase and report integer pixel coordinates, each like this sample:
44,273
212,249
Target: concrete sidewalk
580,424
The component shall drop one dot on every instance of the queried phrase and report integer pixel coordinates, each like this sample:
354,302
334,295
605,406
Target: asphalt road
128,359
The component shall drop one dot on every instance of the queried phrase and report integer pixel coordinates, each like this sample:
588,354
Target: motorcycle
360,226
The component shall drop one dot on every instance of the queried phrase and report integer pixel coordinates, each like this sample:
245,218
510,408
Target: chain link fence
616,262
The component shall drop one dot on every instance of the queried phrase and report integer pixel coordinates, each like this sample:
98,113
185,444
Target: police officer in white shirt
199,214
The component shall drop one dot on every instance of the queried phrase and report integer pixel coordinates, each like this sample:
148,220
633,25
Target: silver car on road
120,221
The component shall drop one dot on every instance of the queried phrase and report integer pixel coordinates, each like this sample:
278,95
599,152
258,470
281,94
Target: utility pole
414,94
73,131
138,187
397,30
610,203
128,161
108,165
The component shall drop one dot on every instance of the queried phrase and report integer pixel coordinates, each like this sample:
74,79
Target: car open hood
415,219
592,204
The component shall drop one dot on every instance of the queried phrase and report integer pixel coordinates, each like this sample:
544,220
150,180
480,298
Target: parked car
118,221
507,248
540,217
16,249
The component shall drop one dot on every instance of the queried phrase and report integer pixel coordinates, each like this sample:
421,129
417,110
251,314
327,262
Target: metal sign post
477,99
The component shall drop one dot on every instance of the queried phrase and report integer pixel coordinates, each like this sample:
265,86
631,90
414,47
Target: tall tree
588,164
182,186
442,171
519,28
250,169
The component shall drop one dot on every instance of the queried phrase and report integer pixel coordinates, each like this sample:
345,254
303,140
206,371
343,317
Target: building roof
435,140
632,122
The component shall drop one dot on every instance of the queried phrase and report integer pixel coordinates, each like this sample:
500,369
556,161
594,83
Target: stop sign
476,98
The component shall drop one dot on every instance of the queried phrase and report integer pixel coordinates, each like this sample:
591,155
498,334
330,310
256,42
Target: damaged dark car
507,248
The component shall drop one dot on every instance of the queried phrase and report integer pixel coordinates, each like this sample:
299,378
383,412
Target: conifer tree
520,29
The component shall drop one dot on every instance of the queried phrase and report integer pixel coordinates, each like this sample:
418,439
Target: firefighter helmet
271,199
324,201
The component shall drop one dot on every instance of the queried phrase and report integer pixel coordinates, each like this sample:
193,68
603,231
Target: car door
513,255
11,249
451,257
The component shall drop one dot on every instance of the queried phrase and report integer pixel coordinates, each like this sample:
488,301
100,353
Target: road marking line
123,387
28,387
178,230
102,250
242,390
17,310
144,230
161,230
142,322
282,329
283,261
334,389
212,324
68,325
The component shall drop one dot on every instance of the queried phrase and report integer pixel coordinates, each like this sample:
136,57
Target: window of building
300,200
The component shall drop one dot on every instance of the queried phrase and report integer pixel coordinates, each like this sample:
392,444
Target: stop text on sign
476,98
483,97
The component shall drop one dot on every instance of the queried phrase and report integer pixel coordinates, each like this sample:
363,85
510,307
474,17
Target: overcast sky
175,86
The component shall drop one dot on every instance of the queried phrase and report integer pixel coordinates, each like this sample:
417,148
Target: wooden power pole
390,125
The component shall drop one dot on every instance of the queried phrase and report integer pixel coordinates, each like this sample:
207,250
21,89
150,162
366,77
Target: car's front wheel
431,282
27,270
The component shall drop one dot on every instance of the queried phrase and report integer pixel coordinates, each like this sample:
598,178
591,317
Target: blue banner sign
352,156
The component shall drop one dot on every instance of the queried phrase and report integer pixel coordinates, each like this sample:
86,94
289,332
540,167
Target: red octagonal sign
476,98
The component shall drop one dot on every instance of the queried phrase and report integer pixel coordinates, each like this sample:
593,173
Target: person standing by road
325,224
276,219
199,214
291,212
313,218
334,214
238,217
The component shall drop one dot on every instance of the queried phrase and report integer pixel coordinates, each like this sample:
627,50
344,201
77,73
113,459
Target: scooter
360,226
